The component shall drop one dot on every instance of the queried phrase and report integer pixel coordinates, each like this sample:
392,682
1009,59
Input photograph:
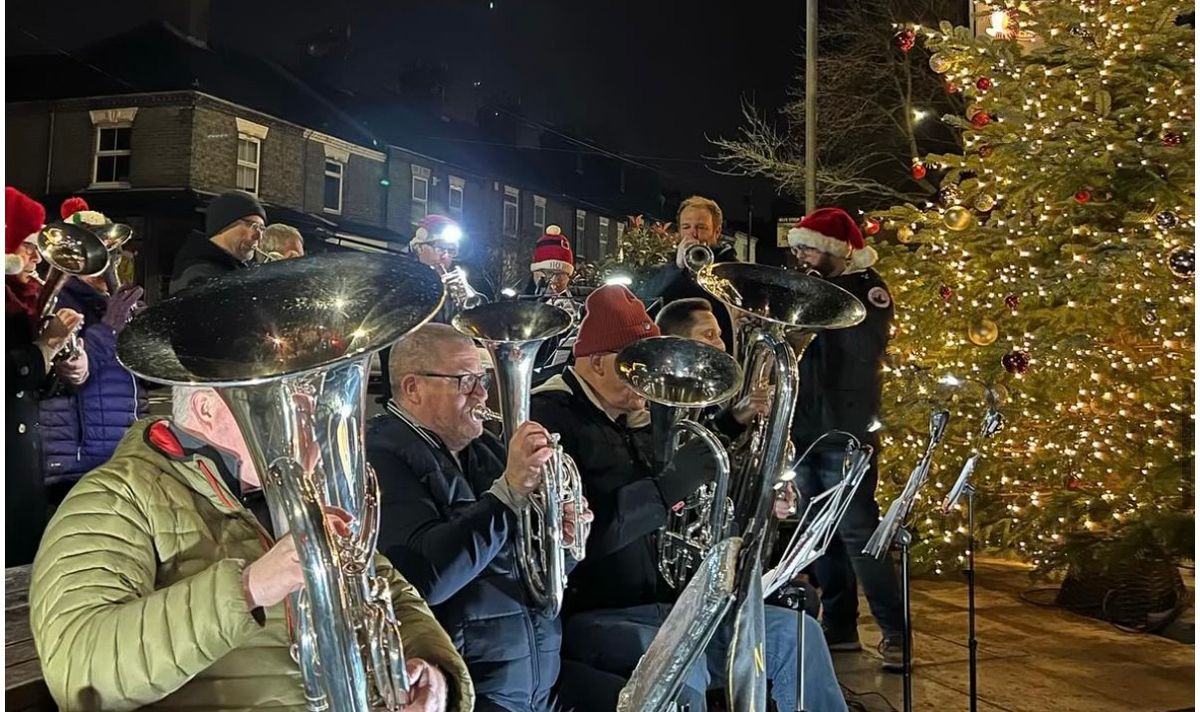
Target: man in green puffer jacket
159,586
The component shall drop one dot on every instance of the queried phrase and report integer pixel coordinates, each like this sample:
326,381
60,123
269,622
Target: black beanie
229,207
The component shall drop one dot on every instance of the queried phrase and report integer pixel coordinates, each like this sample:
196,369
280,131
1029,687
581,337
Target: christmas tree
1055,274
644,245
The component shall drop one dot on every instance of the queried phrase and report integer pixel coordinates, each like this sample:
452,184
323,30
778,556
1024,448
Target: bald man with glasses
448,520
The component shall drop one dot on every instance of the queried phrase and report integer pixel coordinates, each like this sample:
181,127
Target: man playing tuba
160,583
451,498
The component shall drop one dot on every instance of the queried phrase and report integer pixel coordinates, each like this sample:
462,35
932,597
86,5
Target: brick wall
161,147
26,138
362,195
214,150
281,179
73,165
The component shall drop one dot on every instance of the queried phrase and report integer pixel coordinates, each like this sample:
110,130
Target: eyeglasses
255,226
467,382
443,250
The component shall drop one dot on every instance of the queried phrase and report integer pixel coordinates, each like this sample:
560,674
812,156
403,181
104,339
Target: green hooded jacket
136,597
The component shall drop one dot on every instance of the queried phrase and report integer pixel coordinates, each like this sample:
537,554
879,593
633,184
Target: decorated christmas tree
1055,274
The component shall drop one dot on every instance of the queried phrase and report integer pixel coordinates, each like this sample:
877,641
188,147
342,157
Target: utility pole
810,106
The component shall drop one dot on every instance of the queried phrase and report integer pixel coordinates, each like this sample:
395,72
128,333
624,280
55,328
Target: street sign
782,225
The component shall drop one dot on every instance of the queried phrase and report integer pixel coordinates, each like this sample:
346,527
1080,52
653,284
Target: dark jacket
841,377
456,543
667,283
200,259
24,487
80,430
615,459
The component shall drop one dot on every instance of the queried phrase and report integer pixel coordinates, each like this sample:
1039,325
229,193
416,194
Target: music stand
891,530
963,486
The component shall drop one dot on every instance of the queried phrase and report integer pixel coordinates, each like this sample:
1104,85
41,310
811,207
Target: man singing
617,598
451,496
160,584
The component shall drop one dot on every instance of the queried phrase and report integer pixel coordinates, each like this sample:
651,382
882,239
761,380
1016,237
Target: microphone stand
963,487
891,531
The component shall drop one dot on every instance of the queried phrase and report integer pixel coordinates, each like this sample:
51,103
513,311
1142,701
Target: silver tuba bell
287,347
678,377
512,332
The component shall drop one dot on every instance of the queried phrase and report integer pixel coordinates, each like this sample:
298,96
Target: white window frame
539,213
512,199
255,166
603,237
457,186
111,119
581,232
419,206
340,174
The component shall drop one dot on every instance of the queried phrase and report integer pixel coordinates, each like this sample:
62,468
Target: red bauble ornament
980,119
872,227
906,40
1083,196
918,171
1015,362
985,151
1012,301
1072,482
951,88
946,292
1172,138
983,84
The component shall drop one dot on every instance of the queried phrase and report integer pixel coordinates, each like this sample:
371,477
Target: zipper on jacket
534,662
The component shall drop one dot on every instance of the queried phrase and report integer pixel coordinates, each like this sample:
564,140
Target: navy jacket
456,544
668,283
81,429
200,259
24,489
841,378
615,460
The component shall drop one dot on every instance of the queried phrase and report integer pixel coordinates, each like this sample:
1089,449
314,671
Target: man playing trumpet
451,496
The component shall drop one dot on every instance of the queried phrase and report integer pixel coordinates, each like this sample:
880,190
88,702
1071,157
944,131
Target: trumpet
459,289
697,257
512,332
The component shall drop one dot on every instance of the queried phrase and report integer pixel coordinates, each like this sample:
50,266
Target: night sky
650,79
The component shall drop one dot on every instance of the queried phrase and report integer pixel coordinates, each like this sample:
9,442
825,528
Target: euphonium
512,332
287,347
71,251
679,376
458,288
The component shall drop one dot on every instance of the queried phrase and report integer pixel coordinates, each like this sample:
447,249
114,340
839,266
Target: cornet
459,289
697,257
264,256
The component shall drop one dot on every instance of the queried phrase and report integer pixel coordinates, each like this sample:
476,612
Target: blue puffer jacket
80,430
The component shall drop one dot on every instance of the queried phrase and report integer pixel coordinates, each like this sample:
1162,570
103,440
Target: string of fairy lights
1055,269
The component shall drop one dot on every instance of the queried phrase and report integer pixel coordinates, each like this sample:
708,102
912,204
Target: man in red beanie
829,242
30,354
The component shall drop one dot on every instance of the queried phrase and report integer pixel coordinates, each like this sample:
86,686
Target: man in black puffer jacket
448,518
233,225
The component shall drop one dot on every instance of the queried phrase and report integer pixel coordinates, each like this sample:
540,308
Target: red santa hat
23,218
832,230
552,252
436,228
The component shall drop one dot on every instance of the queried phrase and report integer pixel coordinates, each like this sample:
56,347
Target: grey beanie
229,207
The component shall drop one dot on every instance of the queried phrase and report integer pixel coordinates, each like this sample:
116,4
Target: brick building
149,125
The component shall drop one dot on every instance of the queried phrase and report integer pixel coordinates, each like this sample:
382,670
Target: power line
67,54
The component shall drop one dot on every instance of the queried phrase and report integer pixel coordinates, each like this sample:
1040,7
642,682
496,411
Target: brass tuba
678,377
512,332
287,347
71,251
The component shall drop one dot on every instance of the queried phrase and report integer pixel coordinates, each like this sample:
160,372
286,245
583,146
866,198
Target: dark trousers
844,565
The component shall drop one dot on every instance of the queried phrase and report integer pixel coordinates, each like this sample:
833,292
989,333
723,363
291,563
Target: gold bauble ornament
984,202
939,63
957,218
904,234
983,331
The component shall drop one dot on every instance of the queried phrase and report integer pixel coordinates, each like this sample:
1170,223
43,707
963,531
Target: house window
512,211
455,202
603,237
248,152
580,231
334,171
112,155
539,213
420,193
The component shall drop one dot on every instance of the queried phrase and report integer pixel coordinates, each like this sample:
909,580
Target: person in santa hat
552,267
841,387
31,350
81,427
